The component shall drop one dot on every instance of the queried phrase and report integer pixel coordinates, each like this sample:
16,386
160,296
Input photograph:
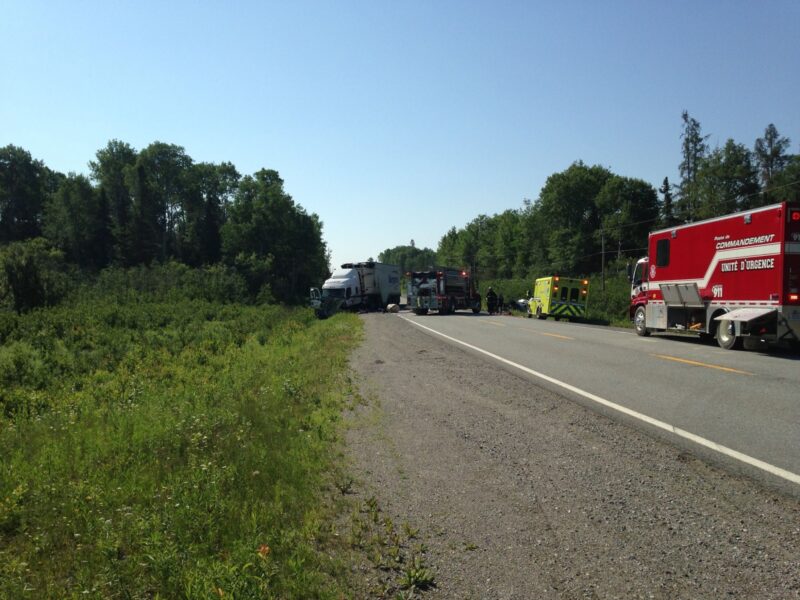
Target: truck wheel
476,310
639,322
726,336
539,315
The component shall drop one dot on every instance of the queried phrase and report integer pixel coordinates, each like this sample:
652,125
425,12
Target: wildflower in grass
263,551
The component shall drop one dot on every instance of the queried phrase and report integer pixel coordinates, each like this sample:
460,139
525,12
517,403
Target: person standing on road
491,300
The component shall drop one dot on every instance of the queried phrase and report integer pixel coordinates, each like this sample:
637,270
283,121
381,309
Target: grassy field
170,449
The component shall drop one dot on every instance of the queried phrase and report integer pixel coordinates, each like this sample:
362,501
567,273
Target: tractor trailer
369,285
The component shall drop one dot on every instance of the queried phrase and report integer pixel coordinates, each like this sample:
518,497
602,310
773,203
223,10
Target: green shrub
21,364
32,274
170,281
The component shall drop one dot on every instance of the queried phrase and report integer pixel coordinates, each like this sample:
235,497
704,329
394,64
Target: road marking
555,335
700,364
729,452
492,323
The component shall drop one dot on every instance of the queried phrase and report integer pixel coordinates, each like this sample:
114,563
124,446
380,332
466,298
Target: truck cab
422,292
638,276
343,285
425,298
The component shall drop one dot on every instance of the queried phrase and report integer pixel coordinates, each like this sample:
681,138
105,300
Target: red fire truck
730,277
442,289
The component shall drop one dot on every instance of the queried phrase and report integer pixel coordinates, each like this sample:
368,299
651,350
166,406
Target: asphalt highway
741,407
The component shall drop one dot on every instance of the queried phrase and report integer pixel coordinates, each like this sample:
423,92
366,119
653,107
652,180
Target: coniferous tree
771,158
694,149
667,209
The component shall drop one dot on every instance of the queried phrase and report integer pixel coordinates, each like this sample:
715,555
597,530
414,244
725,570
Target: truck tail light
585,282
584,292
794,297
795,216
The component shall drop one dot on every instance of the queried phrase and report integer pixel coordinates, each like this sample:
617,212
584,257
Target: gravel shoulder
519,493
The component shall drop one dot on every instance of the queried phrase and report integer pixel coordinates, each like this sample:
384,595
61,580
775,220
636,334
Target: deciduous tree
24,186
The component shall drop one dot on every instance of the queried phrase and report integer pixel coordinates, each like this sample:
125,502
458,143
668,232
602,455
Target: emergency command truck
560,297
731,277
442,289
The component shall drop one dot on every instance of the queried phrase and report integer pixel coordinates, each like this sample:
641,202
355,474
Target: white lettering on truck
760,239
757,264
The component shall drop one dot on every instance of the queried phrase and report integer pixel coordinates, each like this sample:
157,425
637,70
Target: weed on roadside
397,560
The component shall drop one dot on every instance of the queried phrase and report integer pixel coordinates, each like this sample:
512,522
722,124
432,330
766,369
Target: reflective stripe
572,310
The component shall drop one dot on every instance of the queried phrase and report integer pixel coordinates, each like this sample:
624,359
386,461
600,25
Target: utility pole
603,256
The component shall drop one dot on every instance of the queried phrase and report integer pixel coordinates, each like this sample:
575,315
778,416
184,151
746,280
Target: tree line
154,206
586,218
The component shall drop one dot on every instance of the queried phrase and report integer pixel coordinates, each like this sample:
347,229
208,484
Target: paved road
747,401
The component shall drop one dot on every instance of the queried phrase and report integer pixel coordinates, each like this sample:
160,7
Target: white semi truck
368,285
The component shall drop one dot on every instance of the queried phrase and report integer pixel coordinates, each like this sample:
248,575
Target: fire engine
731,277
560,297
444,290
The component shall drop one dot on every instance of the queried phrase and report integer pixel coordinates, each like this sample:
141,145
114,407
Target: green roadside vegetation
156,444
607,306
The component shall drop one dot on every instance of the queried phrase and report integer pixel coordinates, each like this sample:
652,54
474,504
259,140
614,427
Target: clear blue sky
398,120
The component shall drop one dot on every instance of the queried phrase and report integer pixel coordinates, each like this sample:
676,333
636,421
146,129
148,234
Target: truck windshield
637,274
333,293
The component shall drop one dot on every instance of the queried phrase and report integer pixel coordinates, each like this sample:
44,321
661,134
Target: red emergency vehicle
729,277
442,289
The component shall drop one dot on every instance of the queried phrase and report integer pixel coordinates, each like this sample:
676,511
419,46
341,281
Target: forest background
157,205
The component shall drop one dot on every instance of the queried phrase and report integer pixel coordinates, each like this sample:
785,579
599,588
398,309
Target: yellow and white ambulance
559,297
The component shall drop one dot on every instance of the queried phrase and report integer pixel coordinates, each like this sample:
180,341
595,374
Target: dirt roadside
520,494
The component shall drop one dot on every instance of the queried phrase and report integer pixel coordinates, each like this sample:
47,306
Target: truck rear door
792,258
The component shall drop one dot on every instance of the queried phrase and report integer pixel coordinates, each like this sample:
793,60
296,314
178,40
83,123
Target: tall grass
155,449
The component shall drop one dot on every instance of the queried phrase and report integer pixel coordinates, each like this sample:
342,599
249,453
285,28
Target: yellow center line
493,323
699,364
555,335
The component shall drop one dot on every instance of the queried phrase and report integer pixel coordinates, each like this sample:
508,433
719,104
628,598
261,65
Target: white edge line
730,452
